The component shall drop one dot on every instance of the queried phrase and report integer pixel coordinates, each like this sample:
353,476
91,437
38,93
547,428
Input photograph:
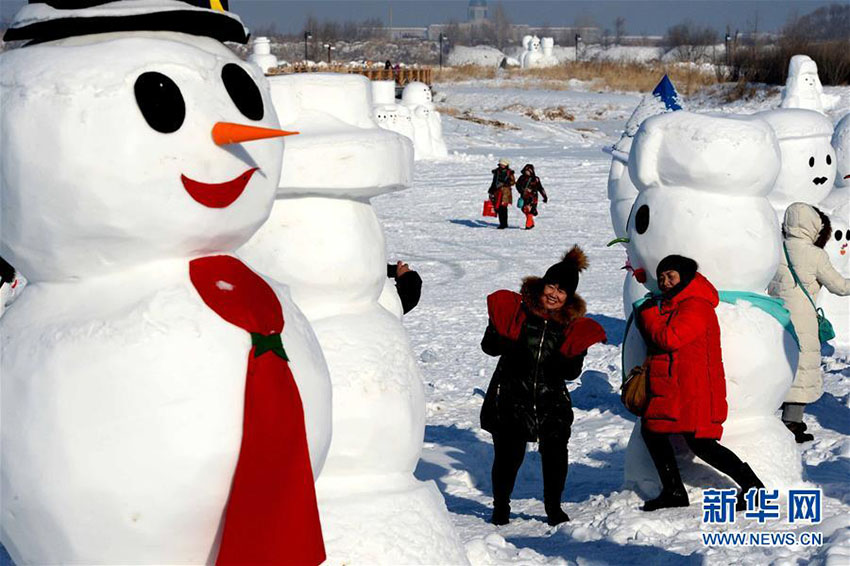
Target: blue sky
642,16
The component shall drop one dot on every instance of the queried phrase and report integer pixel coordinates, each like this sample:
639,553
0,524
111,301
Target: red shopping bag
489,209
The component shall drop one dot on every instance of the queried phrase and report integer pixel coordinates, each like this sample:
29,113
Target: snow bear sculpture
700,197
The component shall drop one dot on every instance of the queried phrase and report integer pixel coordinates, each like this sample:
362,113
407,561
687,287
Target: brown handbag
634,393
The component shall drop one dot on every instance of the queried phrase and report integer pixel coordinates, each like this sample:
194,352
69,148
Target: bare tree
619,29
690,41
501,26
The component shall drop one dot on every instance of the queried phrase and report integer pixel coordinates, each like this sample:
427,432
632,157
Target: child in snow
529,186
805,230
541,337
687,384
500,190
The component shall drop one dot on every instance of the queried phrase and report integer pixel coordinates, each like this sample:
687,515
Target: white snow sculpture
427,129
390,115
837,309
803,88
122,391
262,56
533,53
808,159
841,144
701,197
324,240
621,191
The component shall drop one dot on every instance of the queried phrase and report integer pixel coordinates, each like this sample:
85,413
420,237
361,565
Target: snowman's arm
827,276
686,324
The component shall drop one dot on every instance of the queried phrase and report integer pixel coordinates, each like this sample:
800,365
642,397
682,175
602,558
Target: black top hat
47,20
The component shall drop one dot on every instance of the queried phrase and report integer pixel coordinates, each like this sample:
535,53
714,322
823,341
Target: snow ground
437,226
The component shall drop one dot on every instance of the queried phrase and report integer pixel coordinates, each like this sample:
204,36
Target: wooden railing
401,76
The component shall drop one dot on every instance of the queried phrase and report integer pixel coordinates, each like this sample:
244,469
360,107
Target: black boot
799,430
501,514
748,480
554,514
673,492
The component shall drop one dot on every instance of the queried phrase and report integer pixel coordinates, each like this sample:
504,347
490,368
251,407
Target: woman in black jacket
530,189
541,337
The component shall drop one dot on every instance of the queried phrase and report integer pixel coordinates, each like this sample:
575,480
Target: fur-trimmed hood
532,295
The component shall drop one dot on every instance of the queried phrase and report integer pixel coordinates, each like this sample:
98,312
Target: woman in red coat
687,385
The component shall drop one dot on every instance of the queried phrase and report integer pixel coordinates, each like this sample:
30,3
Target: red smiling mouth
217,195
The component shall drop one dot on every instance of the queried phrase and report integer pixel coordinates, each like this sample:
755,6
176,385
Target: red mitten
505,313
580,335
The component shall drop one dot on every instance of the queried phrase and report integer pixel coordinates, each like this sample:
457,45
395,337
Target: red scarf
271,516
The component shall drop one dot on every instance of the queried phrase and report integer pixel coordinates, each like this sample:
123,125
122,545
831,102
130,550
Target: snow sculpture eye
243,91
642,219
828,159
838,235
847,235
811,162
161,103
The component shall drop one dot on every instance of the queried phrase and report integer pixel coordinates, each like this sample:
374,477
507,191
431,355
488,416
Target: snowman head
838,245
808,159
841,145
700,197
416,94
116,153
380,116
534,44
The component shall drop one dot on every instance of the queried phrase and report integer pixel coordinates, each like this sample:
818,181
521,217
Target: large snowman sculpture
700,197
808,158
621,191
149,411
324,240
427,126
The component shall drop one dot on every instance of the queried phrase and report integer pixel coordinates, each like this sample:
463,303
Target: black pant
509,453
707,449
503,216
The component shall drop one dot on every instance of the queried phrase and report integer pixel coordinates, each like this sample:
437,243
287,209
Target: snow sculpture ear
733,156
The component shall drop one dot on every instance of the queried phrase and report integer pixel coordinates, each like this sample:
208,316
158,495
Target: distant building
477,11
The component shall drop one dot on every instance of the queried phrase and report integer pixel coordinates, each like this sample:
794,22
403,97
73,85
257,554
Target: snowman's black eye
243,91
828,159
847,235
160,101
838,235
642,219
811,162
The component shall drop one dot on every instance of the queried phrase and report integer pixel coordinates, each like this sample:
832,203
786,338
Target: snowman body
837,309
261,54
840,195
122,392
389,115
808,166
698,199
427,128
325,242
533,55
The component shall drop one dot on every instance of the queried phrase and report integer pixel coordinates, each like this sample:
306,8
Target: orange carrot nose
224,133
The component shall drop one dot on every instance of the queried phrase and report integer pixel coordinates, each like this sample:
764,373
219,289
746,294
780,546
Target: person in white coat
805,231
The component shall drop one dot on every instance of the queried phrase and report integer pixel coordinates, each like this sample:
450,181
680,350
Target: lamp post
728,39
442,38
330,48
578,39
307,35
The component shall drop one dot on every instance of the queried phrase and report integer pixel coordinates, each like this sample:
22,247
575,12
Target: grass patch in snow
610,75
